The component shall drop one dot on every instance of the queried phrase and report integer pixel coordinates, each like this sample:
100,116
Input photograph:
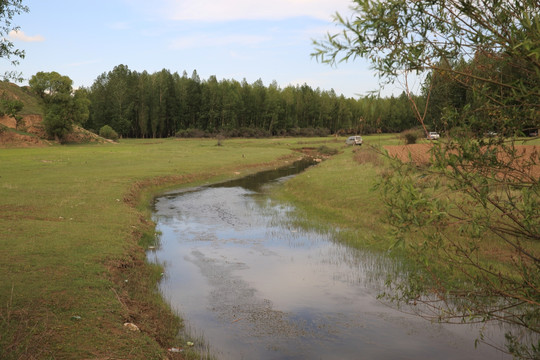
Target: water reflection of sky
256,287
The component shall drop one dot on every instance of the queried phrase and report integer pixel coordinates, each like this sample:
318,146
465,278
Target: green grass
338,194
74,220
68,242
32,103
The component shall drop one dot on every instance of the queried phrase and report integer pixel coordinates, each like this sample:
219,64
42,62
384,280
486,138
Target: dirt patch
13,139
32,124
31,133
527,156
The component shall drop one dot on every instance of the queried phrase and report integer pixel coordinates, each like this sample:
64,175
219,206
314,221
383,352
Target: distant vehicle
354,140
432,135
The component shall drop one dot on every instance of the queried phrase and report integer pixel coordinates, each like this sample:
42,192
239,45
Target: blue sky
232,39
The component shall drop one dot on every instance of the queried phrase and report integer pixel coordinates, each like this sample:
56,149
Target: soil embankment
31,133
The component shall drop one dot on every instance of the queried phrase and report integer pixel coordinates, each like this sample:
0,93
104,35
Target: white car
354,140
432,135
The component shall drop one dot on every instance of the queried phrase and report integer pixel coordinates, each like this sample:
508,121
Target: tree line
164,104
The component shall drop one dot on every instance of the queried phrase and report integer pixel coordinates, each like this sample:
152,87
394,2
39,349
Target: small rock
131,327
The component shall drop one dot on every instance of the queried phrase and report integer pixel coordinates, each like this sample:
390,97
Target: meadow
75,223
72,219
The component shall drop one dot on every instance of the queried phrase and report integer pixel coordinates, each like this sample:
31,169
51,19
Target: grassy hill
32,103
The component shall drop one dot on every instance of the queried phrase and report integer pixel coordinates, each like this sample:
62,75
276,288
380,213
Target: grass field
74,221
338,194
71,220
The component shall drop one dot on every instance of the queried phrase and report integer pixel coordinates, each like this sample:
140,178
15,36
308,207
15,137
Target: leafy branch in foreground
471,218
9,9
474,236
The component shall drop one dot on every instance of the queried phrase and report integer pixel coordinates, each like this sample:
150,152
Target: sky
232,39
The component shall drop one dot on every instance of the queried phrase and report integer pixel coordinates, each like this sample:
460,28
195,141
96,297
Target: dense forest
165,104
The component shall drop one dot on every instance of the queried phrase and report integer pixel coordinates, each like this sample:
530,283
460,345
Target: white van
354,140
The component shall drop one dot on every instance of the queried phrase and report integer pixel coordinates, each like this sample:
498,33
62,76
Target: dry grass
367,155
421,154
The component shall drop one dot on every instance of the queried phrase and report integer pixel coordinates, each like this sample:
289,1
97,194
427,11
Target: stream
254,286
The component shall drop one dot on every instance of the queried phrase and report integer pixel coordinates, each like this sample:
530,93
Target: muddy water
256,287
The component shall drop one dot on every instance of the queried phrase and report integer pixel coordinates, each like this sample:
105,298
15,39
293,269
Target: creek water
254,286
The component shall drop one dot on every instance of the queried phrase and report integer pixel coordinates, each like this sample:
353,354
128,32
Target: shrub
410,136
108,132
57,124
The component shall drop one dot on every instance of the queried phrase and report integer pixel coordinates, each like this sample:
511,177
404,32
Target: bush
57,124
410,136
108,132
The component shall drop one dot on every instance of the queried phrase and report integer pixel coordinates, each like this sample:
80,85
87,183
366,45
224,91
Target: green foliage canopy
9,9
482,60
108,132
51,86
500,39
63,106
11,107
163,104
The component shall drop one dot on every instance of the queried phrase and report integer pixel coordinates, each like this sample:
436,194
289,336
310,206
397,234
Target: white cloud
219,10
209,40
21,36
